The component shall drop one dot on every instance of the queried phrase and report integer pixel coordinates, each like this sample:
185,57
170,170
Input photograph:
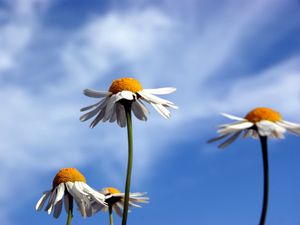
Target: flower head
70,184
115,199
111,106
260,121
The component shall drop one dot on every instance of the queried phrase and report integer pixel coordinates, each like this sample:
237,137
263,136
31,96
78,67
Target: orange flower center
262,113
67,175
125,84
112,190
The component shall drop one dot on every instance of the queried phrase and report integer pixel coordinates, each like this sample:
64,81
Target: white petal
109,107
126,95
114,114
60,193
230,140
96,94
233,117
98,118
235,127
160,91
138,111
154,99
292,127
51,201
134,205
217,138
268,128
42,200
121,116
162,110
91,106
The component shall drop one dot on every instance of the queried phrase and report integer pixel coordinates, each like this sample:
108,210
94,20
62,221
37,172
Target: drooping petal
161,91
66,202
121,116
96,94
98,118
138,111
42,200
161,110
230,140
57,209
109,107
217,138
60,193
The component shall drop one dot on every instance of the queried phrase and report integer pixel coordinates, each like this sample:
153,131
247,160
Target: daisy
111,106
115,201
258,122
69,184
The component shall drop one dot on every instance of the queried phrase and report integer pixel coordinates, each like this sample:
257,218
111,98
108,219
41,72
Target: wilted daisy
69,184
258,122
111,108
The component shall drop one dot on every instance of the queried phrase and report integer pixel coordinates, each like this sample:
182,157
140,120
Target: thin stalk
129,165
264,148
111,219
70,213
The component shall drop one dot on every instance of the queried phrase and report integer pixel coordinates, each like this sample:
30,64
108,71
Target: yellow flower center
125,84
262,113
112,190
67,174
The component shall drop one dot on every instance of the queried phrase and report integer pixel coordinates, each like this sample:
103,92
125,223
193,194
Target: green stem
70,213
129,165
111,219
264,147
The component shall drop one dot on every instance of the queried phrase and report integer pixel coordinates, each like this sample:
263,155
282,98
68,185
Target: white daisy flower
115,199
258,122
111,108
69,184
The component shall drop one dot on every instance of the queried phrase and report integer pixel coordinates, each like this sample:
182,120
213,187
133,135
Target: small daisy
258,122
111,106
69,184
115,199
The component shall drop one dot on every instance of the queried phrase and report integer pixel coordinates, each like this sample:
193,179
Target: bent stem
70,213
129,165
264,148
111,220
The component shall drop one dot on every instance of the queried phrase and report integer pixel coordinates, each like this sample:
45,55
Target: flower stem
111,219
264,147
129,165
70,213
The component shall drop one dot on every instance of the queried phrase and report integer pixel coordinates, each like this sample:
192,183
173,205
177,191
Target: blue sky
228,56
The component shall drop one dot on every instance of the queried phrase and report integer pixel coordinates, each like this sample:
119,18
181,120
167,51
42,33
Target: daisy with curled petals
111,106
115,201
259,123
69,184
126,95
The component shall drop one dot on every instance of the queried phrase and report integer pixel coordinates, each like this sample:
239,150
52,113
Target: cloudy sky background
227,56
